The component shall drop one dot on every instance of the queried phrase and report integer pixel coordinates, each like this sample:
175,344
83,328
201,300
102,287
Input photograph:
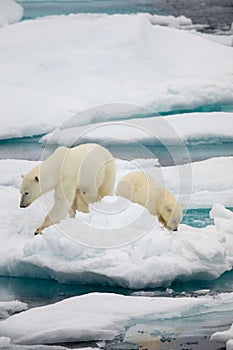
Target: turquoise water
29,148
198,217
216,14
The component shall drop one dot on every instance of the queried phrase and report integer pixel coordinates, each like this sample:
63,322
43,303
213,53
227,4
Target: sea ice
118,242
69,63
180,129
103,316
10,12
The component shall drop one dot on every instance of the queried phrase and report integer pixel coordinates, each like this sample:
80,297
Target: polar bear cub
143,189
79,176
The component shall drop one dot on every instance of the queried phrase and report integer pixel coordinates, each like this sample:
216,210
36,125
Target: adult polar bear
80,175
142,188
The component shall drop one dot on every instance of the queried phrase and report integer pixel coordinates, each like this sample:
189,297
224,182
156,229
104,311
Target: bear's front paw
38,232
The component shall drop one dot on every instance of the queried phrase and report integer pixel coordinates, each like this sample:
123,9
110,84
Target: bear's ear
22,175
36,178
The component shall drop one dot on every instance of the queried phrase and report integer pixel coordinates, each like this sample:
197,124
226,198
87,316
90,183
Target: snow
103,316
118,242
69,64
10,12
170,21
8,308
222,39
177,129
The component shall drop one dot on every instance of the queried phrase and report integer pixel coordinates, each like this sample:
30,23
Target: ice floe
171,130
68,64
118,242
104,316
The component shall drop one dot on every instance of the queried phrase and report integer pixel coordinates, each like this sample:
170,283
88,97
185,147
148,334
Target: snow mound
158,68
8,308
10,12
103,316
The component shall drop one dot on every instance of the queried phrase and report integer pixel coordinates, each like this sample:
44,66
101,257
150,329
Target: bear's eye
26,193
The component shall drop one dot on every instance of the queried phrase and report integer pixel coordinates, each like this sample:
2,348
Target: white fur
79,176
141,188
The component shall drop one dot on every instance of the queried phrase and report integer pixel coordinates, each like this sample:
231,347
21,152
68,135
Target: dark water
217,14
38,292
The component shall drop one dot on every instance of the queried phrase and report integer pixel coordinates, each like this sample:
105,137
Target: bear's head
30,189
172,216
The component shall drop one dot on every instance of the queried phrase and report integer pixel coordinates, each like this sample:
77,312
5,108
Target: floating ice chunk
218,210
103,316
8,308
118,242
139,64
124,248
223,218
10,12
171,21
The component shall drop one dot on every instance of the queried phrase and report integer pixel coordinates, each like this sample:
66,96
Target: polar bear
79,176
143,189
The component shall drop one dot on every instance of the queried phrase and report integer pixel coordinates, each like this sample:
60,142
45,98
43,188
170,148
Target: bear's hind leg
107,187
80,203
72,211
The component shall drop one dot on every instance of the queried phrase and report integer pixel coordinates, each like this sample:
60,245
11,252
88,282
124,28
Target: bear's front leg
47,222
63,199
